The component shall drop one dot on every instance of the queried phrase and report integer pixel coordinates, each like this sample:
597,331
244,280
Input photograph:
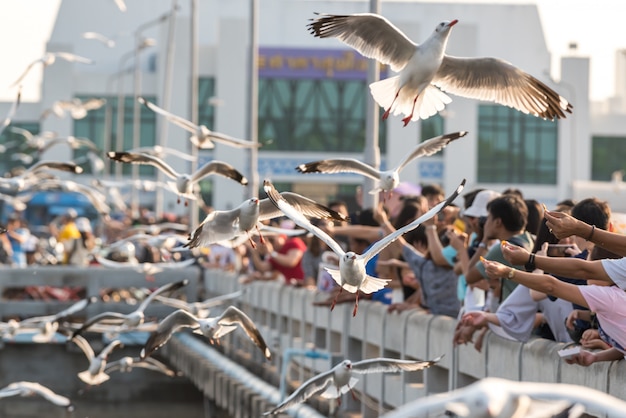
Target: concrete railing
287,317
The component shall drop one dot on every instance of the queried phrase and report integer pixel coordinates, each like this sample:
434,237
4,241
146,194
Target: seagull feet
356,304
407,119
386,114
252,243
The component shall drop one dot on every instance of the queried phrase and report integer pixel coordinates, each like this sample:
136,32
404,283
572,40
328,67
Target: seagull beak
454,22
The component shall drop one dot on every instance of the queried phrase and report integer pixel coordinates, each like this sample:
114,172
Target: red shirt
296,272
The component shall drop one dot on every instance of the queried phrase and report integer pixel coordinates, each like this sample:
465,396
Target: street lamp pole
253,99
193,102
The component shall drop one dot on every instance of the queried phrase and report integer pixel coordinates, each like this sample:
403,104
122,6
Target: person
79,249
280,257
433,193
608,302
64,229
17,236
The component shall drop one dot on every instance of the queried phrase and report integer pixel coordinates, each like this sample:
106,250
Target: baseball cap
478,207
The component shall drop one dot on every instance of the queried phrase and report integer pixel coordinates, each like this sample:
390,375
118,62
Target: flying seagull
127,364
50,58
227,224
212,328
135,318
110,43
495,397
202,136
7,120
388,179
95,375
33,388
340,379
36,173
426,72
199,309
351,274
184,183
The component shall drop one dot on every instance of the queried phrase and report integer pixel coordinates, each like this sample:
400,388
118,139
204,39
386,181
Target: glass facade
515,148
608,155
15,152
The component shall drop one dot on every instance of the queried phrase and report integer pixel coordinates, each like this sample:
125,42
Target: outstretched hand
560,224
514,254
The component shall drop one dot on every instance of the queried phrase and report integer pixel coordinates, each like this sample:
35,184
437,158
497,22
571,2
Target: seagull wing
170,287
221,168
295,215
109,348
218,300
104,315
12,111
341,165
166,328
232,141
67,56
84,345
55,165
306,206
26,71
311,387
430,147
381,244
384,365
151,363
370,34
138,158
233,316
173,302
46,393
176,120
495,80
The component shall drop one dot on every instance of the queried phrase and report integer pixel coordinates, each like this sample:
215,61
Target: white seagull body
388,179
426,72
50,58
95,375
184,183
351,274
32,389
135,318
212,328
227,224
340,379
500,398
202,136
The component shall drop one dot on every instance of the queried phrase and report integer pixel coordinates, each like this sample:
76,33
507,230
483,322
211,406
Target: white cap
478,207
83,224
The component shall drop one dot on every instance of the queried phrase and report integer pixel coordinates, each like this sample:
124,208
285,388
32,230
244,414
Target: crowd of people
497,262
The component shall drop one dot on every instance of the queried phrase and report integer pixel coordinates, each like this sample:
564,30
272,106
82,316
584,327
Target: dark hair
511,210
409,211
593,211
535,215
432,189
364,217
512,190
417,235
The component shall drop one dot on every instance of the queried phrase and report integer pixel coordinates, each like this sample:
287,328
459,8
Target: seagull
426,72
36,173
351,274
202,136
161,152
33,141
110,43
388,179
131,320
97,199
227,224
127,363
212,328
199,309
49,324
76,107
95,375
340,379
184,183
266,230
31,389
50,58
147,268
12,111
72,141
495,397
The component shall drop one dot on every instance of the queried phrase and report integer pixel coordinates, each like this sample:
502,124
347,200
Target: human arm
564,225
587,358
561,266
435,248
540,282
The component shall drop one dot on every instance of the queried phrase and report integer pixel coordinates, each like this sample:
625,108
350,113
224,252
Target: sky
595,25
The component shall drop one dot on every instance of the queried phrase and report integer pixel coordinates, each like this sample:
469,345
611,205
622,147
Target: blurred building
312,97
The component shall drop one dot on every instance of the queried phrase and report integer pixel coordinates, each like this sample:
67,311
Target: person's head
535,215
412,208
417,238
593,211
507,216
14,221
393,202
433,193
341,207
83,225
70,215
477,209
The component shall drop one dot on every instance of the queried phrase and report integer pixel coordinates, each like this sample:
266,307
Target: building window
608,155
515,148
15,151
431,127
206,102
313,115
93,125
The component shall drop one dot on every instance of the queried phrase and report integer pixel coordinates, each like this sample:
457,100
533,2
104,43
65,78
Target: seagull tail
372,284
384,91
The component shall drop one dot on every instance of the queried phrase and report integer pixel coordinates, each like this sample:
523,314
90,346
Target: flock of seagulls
425,75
